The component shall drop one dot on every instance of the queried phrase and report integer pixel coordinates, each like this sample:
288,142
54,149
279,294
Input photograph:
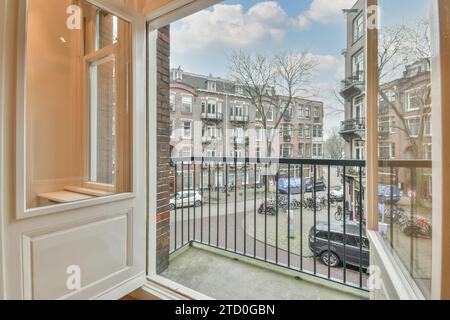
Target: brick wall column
163,149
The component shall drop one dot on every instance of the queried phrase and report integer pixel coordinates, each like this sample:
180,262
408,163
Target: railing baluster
329,222
360,228
195,193
254,213
276,218
176,208
315,216
245,207
189,204
203,199
344,227
289,215
182,204
265,212
301,216
209,203
235,204
226,206
218,205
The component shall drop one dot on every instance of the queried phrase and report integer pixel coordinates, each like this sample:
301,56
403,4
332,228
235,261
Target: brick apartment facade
397,130
211,117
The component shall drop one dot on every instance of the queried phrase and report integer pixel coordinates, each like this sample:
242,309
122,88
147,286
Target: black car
332,253
320,185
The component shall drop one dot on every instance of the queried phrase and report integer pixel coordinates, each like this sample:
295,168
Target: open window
77,106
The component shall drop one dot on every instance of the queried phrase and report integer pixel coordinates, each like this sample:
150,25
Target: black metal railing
353,124
292,213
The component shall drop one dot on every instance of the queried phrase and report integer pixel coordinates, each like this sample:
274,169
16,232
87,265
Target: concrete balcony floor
225,276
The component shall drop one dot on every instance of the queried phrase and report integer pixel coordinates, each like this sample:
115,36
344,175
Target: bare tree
400,46
271,83
334,145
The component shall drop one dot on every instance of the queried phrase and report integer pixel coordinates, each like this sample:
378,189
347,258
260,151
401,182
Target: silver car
187,198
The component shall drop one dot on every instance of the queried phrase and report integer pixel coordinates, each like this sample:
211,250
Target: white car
337,193
187,198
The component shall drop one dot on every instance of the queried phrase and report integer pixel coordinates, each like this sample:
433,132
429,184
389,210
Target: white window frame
183,103
187,137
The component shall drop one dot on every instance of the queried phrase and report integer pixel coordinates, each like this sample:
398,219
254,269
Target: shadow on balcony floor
222,277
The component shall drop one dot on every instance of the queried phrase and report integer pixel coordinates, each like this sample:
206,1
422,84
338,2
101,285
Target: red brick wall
163,105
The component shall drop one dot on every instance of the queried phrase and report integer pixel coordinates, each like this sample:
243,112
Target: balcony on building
353,85
212,117
353,128
239,119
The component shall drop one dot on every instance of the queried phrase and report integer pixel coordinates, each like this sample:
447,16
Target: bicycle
416,227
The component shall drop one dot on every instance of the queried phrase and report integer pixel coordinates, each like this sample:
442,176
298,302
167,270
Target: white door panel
103,240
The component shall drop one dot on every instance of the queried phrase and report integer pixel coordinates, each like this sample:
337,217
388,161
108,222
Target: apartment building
353,128
404,112
211,117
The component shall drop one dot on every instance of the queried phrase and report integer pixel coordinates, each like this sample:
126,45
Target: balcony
237,119
287,138
353,128
244,230
212,117
353,85
211,139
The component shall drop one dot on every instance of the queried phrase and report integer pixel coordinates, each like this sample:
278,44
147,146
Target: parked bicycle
308,203
416,227
339,214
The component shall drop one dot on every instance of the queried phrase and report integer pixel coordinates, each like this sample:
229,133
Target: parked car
187,198
385,192
320,185
336,252
295,185
337,194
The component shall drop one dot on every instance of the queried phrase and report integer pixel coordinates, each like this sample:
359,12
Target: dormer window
178,75
239,90
211,86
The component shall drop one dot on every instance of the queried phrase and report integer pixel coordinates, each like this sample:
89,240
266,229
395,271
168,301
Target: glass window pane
77,104
404,191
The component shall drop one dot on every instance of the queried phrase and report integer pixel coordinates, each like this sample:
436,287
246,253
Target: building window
413,102
239,90
307,112
300,131
427,125
317,150
307,131
413,125
386,151
212,86
177,75
358,27
317,131
358,146
308,150
172,102
186,104
187,130
317,112
172,128
427,151
269,113
358,65
301,149
259,133
286,150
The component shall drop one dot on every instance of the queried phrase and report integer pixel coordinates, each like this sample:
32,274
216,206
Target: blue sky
201,43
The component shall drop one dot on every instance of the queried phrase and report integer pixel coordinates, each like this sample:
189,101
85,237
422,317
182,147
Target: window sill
164,289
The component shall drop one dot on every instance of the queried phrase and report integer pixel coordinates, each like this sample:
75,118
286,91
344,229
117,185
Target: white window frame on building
415,132
172,101
190,135
187,102
211,86
358,27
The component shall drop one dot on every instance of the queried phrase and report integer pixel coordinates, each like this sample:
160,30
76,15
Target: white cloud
326,11
231,25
